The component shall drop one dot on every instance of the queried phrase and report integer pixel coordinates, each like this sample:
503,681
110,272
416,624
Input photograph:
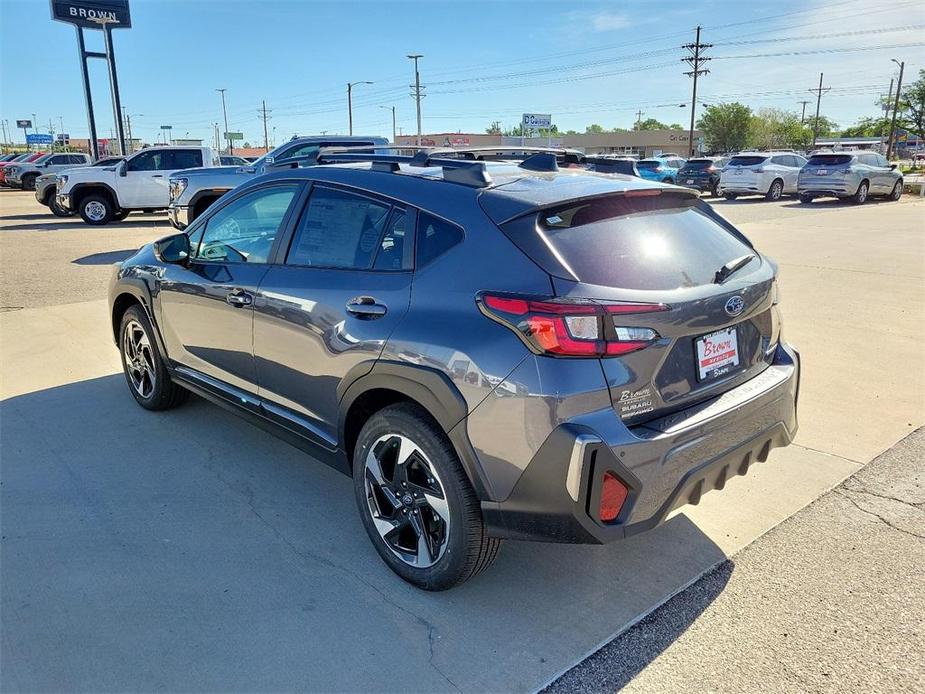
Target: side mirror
123,168
893,167
173,249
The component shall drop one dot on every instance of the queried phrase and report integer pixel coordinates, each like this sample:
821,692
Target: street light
350,86
899,86
392,109
225,114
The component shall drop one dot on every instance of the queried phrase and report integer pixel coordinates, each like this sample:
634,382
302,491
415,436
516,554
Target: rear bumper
178,215
702,184
827,188
665,463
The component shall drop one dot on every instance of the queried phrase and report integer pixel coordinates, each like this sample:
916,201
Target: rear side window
184,159
435,237
829,159
644,164
657,243
338,230
746,161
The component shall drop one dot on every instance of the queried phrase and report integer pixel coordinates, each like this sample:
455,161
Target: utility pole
66,143
899,88
350,86
695,60
225,114
264,114
417,93
818,92
885,113
803,113
639,119
392,108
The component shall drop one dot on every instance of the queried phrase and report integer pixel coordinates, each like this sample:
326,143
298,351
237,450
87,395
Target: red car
21,158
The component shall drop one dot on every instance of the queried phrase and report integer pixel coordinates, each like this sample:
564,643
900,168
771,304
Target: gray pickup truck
193,190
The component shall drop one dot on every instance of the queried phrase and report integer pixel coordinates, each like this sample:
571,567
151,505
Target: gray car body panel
17,173
297,362
843,180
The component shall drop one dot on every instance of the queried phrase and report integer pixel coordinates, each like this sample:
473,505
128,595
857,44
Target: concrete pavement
189,550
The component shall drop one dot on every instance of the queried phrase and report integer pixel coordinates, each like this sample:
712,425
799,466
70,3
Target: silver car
854,175
24,174
771,174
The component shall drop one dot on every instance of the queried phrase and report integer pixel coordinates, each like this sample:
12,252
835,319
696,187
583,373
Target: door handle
157,175
365,307
239,297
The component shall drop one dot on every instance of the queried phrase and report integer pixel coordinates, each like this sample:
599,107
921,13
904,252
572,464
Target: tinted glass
648,164
184,159
699,164
746,161
829,159
435,237
395,246
43,159
244,230
338,230
662,242
614,166
147,161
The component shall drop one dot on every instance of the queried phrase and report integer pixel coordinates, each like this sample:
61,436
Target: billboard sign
92,14
234,136
24,124
63,137
39,139
534,121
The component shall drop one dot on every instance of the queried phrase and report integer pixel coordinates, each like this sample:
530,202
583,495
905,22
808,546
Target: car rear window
698,164
646,164
658,242
829,159
746,161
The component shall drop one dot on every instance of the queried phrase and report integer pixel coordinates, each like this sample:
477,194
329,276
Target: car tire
145,372
897,191
860,197
806,199
730,196
28,182
120,215
56,209
715,191
776,191
96,210
669,181
416,502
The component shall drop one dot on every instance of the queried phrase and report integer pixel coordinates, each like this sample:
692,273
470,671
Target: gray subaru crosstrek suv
491,350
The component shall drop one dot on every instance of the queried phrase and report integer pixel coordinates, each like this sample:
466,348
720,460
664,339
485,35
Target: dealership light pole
417,90
392,109
350,86
225,114
899,87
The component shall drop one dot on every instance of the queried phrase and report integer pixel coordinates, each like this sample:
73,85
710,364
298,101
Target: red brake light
642,192
613,495
570,328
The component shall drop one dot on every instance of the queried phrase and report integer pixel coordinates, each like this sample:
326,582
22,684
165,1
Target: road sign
39,139
234,136
24,124
537,120
63,137
166,127
92,14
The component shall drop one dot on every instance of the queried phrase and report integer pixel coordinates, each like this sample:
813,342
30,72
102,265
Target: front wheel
730,196
806,199
860,197
56,209
669,181
28,182
144,369
415,500
897,192
120,215
96,210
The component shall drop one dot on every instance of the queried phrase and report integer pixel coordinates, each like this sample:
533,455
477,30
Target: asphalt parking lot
189,550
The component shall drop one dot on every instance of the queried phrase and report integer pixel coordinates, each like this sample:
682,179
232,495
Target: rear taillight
758,170
613,495
581,328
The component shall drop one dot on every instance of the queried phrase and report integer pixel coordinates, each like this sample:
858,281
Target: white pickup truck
106,193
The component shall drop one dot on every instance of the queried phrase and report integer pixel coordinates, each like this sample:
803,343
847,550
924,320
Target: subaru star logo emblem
735,305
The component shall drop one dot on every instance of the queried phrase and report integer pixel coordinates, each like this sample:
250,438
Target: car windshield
829,159
648,164
22,157
750,160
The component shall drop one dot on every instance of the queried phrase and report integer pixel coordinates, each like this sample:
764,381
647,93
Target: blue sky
584,62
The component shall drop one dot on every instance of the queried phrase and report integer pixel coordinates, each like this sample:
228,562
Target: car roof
513,190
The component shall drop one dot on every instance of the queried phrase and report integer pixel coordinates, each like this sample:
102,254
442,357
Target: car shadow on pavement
76,224
105,258
191,550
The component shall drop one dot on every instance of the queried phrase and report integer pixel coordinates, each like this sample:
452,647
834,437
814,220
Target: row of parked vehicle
850,175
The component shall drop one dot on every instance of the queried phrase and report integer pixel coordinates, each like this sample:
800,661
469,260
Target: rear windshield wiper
726,271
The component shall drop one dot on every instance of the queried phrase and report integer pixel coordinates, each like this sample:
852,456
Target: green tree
651,124
867,127
594,129
725,127
911,112
494,128
774,128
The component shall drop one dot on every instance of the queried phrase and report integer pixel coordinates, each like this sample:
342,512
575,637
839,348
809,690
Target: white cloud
609,21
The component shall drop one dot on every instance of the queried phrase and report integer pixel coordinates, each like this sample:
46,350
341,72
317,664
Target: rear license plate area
717,354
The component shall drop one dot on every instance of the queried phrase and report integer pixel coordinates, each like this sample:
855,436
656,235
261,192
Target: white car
106,193
771,174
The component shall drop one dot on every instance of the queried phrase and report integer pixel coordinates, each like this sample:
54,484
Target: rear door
661,249
328,305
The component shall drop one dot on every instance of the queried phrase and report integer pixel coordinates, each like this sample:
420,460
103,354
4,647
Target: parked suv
663,169
46,187
26,158
771,174
103,194
491,350
191,192
702,174
854,175
23,175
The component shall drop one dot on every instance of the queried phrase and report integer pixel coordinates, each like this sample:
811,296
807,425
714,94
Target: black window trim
393,204
226,200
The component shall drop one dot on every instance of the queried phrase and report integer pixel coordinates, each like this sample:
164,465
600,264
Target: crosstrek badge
717,353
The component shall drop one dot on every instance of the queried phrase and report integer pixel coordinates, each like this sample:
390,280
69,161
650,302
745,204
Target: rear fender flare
81,189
